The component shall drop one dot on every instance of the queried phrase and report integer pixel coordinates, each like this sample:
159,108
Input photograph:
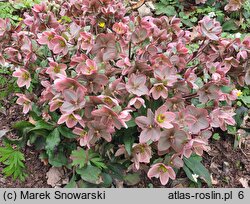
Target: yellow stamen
57,69
160,118
25,76
102,24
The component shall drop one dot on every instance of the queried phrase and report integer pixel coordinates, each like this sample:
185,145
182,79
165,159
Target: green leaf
42,125
22,124
13,160
194,164
57,159
132,179
107,180
52,140
216,136
98,162
79,158
131,123
66,132
188,173
231,129
90,174
245,99
229,25
72,183
128,140
226,89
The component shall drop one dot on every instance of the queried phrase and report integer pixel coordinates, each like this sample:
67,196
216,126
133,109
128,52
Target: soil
34,167
229,166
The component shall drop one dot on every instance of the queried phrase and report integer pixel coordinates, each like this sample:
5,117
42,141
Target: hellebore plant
112,77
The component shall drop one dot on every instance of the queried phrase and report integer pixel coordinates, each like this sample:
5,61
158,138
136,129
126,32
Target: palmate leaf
52,140
98,162
90,174
78,158
13,159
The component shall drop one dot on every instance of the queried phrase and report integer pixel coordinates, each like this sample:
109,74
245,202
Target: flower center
107,100
102,24
162,169
50,37
161,118
25,76
56,69
71,117
62,43
159,88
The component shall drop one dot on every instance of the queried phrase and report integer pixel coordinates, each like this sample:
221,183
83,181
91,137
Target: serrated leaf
229,25
226,89
132,179
90,174
131,123
72,183
107,180
216,136
57,159
66,132
13,159
52,140
98,162
22,124
42,125
79,158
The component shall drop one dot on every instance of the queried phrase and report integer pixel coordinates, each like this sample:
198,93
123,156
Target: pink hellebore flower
86,41
107,112
25,102
194,145
5,26
210,28
136,85
141,154
166,75
174,138
159,90
150,130
89,68
46,39
120,28
55,69
222,117
201,119
234,5
161,171
55,103
73,100
109,101
164,118
23,77
99,130
106,46
137,102
84,138
64,82
59,45
70,119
